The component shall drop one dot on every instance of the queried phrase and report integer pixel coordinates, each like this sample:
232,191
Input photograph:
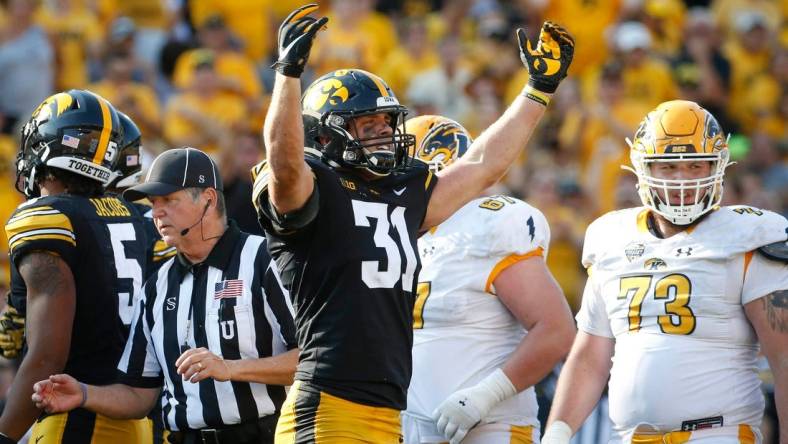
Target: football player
343,206
489,320
680,293
80,256
128,173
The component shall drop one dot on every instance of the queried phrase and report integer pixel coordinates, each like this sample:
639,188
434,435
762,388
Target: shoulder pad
777,251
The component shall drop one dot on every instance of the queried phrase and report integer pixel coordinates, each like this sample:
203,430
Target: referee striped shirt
233,303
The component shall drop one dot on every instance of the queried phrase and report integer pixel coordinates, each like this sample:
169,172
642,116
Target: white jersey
462,332
684,350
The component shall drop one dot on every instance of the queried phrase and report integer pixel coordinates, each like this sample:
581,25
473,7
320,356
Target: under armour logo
683,252
462,402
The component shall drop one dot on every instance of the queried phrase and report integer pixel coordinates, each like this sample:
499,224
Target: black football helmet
328,107
128,168
77,131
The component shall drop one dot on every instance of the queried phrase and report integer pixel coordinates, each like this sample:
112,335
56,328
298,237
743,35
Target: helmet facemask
380,155
705,193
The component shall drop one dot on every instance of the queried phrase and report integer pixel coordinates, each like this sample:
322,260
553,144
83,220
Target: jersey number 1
371,273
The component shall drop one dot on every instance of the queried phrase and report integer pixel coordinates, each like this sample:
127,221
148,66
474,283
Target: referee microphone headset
185,231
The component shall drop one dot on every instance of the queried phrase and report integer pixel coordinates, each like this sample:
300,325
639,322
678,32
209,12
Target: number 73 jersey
684,348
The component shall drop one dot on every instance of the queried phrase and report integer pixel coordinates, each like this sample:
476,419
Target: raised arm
494,151
290,182
51,301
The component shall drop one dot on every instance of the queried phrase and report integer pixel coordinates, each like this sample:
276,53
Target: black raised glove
296,34
12,332
548,63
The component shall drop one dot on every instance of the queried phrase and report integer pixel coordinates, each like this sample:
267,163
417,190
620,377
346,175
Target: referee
213,327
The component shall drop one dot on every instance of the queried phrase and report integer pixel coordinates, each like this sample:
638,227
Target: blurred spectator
236,72
416,55
646,78
665,20
764,103
152,19
9,199
121,39
136,99
764,160
248,20
355,37
701,71
26,65
76,36
235,161
443,87
599,130
726,12
587,21
203,116
749,51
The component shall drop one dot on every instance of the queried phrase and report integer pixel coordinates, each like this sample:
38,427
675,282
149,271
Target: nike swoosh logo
39,438
399,192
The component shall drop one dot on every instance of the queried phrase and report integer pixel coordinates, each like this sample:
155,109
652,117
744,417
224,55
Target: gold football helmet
679,131
439,140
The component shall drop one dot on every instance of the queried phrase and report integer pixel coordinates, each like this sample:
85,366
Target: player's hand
197,364
12,332
295,38
558,432
548,63
463,409
59,393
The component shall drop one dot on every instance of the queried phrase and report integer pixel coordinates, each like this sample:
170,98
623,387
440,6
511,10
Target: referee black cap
174,170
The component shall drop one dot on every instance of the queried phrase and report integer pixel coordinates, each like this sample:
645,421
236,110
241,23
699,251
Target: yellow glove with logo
548,63
12,332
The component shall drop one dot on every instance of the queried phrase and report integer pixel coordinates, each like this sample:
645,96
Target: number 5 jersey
103,241
685,352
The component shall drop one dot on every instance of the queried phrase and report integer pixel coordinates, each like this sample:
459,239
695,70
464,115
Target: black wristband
287,69
4,439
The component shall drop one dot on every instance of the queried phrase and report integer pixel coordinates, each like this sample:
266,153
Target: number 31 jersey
351,273
684,348
462,331
103,242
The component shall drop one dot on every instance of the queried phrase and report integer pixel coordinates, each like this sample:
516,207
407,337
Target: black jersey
352,274
103,242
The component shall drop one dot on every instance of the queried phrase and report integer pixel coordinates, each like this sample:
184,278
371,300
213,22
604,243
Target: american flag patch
70,141
132,160
231,288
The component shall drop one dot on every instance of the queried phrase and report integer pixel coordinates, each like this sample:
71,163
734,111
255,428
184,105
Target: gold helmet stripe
106,131
379,83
